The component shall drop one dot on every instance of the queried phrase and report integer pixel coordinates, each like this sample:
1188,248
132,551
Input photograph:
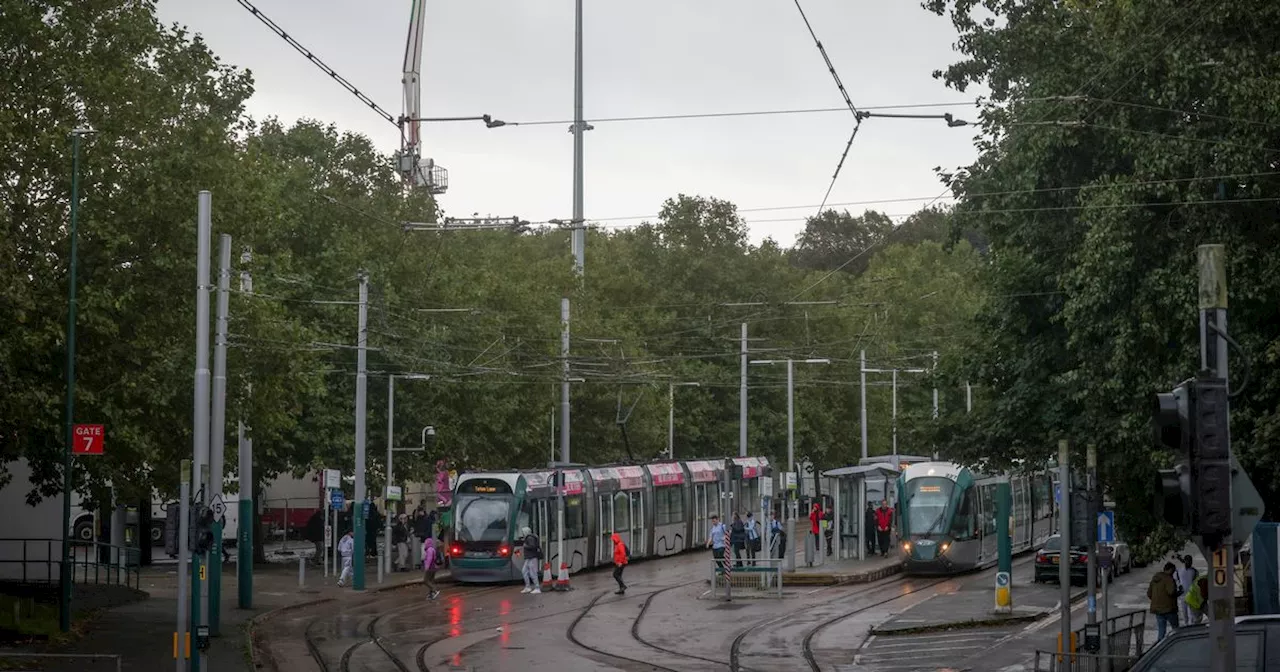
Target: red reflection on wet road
504,609
455,617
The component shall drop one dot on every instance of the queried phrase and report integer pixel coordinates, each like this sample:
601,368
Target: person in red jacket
619,562
815,527
884,522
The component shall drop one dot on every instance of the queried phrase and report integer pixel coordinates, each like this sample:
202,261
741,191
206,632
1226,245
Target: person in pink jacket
430,562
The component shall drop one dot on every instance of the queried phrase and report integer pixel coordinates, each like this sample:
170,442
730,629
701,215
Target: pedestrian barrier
1125,634
61,662
39,561
747,577
546,576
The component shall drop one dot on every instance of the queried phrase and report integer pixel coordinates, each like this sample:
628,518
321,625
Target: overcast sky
513,59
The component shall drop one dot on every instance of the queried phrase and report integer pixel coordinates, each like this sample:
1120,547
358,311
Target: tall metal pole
935,396
895,418
968,398
791,464
183,631
863,386
391,415
244,541
1064,537
204,227
64,595
217,431
1091,566
564,382
1212,265
357,506
671,420
579,126
742,398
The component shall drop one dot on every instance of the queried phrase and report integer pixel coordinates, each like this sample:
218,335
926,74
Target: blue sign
1107,526
1002,579
1057,493
366,509
337,500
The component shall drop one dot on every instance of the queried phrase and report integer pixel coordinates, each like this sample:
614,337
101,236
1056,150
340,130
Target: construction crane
418,172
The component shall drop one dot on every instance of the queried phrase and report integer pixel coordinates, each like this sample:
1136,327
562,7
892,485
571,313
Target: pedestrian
1163,593
1186,580
738,539
715,540
346,548
777,536
815,527
431,562
532,551
753,537
314,533
828,528
400,539
620,554
869,529
884,522
1195,599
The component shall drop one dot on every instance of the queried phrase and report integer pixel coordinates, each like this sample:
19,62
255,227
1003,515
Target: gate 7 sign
88,440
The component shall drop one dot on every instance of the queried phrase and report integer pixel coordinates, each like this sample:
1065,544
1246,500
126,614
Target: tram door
638,536
543,524
701,512
604,539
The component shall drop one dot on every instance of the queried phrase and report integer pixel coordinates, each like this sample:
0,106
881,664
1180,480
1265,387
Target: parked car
1121,557
1188,647
1047,558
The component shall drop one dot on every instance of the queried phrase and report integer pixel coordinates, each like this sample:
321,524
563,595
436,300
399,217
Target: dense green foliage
1121,135
316,206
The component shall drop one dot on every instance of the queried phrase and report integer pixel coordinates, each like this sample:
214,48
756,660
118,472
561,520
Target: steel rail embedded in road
635,630
573,638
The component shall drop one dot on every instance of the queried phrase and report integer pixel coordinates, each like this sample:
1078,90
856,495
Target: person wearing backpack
620,557
431,562
532,554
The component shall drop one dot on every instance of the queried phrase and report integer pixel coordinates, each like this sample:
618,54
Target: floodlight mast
418,172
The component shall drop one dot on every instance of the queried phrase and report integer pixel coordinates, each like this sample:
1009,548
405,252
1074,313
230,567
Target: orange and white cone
546,576
562,583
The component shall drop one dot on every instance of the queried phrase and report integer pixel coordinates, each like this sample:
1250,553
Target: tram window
574,519
963,527
988,509
676,504
713,499
669,503
621,512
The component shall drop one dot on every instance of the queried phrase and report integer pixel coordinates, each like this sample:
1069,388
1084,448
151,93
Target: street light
391,434
64,598
791,442
671,415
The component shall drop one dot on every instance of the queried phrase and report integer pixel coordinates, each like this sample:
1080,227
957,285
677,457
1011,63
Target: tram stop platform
971,603
831,570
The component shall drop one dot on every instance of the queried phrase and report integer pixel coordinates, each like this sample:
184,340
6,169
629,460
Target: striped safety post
728,568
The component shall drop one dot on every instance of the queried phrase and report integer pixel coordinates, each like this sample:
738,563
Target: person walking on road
619,562
715,540
346,547
430,564
532,550
753,536
884,522
1163,592
1186,580
738,539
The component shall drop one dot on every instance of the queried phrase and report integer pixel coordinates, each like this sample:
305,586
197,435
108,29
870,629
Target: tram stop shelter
852,488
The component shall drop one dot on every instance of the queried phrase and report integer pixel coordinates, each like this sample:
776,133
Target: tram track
569,633
644,609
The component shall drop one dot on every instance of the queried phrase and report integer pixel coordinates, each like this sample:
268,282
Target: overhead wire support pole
362,382
564,382
579,127
217,433
742,398
244,475
1212,267
864,371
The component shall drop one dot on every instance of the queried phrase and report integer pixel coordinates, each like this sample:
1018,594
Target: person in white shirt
346,547
1186,577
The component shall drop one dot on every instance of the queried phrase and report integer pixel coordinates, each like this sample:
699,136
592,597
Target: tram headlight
906,546
945,546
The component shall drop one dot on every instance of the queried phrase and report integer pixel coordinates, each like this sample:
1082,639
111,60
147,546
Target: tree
1120,137
839,241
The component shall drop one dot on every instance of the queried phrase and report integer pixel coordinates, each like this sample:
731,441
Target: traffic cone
562,583
546,576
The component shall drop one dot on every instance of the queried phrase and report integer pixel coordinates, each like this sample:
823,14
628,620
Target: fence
61,662
1125,634
747,577
40,561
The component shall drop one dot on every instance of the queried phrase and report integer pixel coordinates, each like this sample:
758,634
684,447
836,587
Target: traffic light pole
1211,262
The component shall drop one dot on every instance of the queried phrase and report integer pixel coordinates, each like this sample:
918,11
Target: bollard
302,573
379,568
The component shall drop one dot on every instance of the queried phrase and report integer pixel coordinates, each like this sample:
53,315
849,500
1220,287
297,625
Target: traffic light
201,529
1172,418
1084,518
1192,421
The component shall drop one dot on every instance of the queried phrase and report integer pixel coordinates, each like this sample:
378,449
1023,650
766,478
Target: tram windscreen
482,518
926,505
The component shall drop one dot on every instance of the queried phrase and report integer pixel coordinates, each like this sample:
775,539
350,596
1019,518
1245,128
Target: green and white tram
947,516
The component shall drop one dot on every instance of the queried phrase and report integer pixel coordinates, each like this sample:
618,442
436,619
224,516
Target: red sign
88,440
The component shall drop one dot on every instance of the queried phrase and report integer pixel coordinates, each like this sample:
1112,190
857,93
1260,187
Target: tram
948,516
659,509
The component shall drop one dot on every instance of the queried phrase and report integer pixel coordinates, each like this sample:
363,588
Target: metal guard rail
85,567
